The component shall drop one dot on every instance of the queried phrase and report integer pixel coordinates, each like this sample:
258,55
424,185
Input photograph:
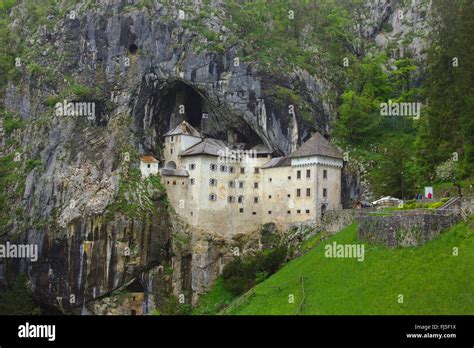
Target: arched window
323,210
170,165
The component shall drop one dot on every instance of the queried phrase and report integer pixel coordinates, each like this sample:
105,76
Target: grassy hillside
430,278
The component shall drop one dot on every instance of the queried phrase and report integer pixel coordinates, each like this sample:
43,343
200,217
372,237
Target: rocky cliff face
77,193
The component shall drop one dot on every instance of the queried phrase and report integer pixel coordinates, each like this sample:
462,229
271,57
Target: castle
233,188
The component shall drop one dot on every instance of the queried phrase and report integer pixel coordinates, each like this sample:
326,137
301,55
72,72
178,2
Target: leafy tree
449,125
450,171
17,299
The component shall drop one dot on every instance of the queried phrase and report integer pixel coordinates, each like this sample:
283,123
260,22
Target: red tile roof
148,159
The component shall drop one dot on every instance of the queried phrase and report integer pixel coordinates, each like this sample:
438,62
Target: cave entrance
193,107
182,102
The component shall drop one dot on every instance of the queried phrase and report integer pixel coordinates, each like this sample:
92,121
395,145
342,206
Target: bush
260,277
273,259
17,300
240,275
237,285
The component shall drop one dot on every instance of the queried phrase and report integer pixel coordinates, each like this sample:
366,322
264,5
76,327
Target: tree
450,171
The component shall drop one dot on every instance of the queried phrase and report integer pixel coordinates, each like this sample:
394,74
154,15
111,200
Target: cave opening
179,101
193,107
132,48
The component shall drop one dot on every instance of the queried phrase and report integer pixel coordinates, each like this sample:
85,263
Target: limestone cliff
75,190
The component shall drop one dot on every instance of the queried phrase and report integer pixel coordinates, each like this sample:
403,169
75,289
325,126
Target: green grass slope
430,278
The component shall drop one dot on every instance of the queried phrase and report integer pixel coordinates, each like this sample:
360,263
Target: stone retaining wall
335,220
405,228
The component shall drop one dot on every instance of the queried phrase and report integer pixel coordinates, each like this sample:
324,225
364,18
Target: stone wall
405,228
335,220
467,203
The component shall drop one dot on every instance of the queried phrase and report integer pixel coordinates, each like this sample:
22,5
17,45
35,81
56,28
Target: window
212,197
241,184
148,165
231,184
269,196
168,182
230,199
308,173
213,167
171,150
325,192
172,138
192,166
182,182
242,170
298,174
174,182
325,174
255,199
269,179
298,211
241,210
289,178
212,182
307,211
288,195
254,213
288,212
232,169
298,192
240,199
192,181
255,185
269,212
257,170
223,168
308,192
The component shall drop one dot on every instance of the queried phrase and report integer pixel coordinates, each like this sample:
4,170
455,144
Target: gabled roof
207,146
277,162
183,128
148,159
316,145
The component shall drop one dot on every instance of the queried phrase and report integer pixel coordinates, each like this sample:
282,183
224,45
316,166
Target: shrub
17,300
273,259
236,285
260,277
240,274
